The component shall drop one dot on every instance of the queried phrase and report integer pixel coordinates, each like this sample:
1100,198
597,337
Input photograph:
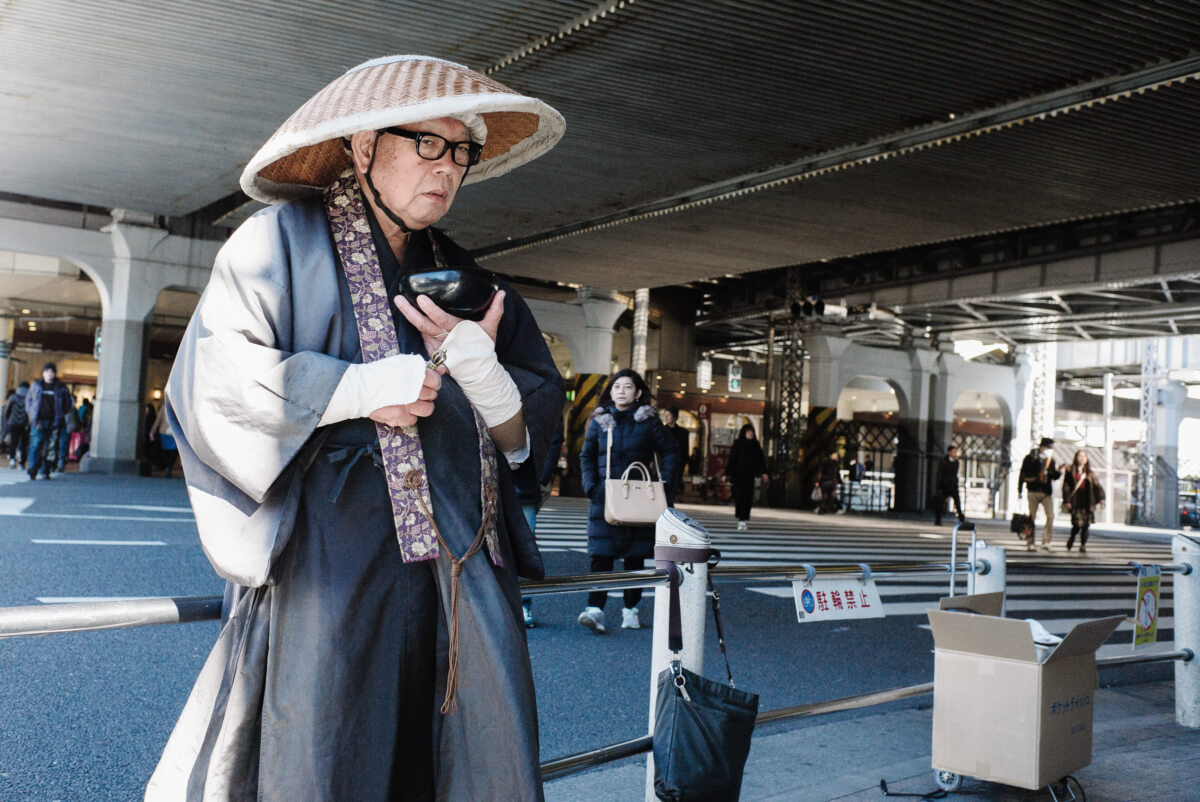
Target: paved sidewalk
1139,753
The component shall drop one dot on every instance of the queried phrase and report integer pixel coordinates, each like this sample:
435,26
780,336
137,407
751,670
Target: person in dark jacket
532,492
746,464
947,486
16,425
1082,494
682,436
830,478
48,404
625,414
1038,473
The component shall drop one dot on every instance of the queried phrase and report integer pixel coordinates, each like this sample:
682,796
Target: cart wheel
947,780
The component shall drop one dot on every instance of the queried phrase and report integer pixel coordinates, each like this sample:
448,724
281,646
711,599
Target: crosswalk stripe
1060,601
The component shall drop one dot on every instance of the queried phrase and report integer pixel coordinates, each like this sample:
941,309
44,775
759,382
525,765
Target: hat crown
306,154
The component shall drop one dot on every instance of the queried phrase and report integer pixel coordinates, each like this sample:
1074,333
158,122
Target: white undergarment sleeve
365,388
471,361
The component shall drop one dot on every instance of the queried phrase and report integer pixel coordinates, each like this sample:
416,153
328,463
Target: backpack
17,415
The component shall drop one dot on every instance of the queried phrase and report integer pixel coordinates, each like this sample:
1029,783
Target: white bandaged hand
365,388
471,361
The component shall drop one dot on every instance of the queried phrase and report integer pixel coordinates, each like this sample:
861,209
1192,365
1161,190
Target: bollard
1187,630
994,579
678,539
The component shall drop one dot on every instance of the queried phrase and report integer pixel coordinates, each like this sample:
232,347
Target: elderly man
348,454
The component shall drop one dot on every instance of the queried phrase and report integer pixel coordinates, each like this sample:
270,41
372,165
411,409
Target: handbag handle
608,461
645,472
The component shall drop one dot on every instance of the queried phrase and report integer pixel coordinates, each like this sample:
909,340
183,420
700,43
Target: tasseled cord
450,705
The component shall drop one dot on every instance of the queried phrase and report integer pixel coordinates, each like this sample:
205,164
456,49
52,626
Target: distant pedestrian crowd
42,427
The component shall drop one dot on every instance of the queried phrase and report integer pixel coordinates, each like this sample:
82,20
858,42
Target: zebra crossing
1058,600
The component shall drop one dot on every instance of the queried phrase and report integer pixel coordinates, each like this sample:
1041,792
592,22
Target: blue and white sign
836,599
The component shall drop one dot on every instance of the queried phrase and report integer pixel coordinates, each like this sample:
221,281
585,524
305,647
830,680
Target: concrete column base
90,464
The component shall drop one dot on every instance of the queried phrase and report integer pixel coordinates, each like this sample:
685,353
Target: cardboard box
1000,713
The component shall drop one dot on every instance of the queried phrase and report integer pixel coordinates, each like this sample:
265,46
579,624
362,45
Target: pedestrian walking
947,486
164,442
48,403
1082,494
682,436
746,465
625,418
16,419
532,492
1038,474
829,481
361,507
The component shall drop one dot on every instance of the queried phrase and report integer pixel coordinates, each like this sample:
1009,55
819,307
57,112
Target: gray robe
309,688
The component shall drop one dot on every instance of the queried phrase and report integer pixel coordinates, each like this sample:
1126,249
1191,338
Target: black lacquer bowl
464,292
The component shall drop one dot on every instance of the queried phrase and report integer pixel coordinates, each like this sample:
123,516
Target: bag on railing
702,728
633,501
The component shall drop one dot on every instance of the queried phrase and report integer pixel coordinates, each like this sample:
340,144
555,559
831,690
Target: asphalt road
84,716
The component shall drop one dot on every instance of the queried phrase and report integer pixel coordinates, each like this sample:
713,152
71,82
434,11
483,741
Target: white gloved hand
471,361
365,388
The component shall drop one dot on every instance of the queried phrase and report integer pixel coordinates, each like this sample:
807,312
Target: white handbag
632,500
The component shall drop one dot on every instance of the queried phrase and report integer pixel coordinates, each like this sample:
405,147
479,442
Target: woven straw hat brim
306,154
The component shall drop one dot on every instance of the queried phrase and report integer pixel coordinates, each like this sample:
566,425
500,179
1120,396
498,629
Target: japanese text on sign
836,599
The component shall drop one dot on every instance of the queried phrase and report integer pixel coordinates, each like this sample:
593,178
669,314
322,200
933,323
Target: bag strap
716,605
608,456
675,620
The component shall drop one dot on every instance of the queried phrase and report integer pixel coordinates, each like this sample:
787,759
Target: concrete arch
870,384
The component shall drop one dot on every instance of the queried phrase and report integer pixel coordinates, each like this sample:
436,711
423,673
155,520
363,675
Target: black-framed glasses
433,146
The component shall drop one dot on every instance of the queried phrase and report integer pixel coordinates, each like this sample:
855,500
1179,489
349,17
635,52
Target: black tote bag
702,728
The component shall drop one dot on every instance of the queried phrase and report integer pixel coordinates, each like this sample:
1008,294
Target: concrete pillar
131,289
1022,441
1186,587
824,386
1169,414
591,344
914,457
641,322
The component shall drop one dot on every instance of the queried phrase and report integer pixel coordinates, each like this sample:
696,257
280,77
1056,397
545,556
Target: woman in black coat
1082,494
746,463
637,436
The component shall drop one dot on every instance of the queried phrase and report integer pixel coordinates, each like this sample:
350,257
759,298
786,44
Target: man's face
48,375
952,453
418,190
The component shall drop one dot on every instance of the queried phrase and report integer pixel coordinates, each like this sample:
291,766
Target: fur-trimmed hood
606,420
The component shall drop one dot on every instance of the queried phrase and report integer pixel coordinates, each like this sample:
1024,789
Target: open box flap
1086,637
982,634
981,603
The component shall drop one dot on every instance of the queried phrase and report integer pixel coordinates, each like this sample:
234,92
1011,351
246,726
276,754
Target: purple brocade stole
403,457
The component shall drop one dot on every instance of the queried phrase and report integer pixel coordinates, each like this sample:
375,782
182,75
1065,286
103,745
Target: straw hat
306,153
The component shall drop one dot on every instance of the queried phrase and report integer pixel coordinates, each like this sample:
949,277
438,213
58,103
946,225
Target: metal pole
1187,631
1108,449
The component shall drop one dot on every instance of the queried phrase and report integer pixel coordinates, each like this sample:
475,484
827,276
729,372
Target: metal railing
80,617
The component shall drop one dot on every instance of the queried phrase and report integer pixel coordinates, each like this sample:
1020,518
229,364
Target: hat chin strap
379,204
395,218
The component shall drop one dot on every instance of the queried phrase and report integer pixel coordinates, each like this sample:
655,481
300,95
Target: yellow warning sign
1145,617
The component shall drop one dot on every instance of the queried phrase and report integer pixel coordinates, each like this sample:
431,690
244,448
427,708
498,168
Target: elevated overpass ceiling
704,139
